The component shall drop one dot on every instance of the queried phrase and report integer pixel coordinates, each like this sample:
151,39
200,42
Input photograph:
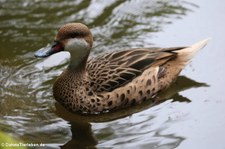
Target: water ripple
27,106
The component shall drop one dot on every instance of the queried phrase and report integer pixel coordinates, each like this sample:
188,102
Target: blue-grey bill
43,52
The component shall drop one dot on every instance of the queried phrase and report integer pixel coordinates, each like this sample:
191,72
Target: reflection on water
27,107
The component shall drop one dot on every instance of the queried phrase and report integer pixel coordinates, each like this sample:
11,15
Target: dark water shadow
82,135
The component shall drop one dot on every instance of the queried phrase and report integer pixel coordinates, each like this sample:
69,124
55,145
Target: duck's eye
77,34
68,35
56,42
73,35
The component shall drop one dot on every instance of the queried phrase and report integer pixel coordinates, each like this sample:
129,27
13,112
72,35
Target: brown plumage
114,80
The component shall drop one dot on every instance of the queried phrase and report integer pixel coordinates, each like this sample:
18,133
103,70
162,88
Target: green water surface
192,114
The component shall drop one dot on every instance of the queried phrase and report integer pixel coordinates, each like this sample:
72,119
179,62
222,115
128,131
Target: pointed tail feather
174,66
187,53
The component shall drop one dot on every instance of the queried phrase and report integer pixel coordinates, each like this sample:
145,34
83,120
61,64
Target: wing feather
110,71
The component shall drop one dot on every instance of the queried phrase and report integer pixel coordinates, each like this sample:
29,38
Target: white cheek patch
79,46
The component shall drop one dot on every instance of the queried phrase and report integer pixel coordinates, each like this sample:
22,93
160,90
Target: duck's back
110,71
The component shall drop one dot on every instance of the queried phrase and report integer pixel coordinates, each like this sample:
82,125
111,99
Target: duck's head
75,38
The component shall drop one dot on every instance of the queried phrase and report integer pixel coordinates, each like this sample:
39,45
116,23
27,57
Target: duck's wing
116,69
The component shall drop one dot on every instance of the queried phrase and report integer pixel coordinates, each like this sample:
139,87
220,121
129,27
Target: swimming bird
113,80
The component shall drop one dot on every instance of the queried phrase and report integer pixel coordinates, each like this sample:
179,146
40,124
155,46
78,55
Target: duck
113,80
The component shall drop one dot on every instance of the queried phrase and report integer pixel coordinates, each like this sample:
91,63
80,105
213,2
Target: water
190,117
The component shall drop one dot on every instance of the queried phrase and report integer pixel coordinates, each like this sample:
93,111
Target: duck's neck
79,52
77,63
